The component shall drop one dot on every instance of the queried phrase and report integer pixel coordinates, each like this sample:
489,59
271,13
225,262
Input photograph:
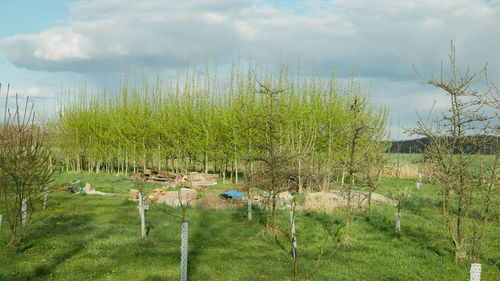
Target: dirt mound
216,202
328,201
171,198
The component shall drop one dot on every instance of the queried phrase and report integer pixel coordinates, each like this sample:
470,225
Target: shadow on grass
203,232
63,224
41,271
427,236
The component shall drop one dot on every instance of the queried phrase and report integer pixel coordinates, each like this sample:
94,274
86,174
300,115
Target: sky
51,45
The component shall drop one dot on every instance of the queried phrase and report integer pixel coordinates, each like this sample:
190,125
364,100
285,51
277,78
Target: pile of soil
216,202
328,201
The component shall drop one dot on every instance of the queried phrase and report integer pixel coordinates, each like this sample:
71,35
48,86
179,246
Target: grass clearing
90,237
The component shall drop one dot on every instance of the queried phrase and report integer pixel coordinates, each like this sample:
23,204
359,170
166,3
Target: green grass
90,237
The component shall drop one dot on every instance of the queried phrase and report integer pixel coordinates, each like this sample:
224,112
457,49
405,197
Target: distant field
90,237
411,163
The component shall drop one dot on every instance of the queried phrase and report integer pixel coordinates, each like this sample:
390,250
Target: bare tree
24,167
374,162
453,134
400,196
274,167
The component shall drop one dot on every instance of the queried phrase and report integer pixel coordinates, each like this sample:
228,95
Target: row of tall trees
200,122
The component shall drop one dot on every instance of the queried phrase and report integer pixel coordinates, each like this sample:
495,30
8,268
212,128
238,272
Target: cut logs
170,179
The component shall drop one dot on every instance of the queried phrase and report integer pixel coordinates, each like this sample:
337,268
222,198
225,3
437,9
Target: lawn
91,237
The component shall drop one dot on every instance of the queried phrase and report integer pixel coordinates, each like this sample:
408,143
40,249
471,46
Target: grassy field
91,237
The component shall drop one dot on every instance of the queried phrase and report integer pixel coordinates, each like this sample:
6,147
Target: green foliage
199,123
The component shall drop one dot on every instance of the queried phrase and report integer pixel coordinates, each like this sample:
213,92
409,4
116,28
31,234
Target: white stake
475,272
23,212
1,222
184,251
45,198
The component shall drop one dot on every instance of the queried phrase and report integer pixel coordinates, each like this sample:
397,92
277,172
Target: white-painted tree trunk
475,272
1,217
184,251
24,213
45,197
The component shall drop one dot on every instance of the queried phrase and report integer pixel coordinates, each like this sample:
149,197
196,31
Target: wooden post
184,250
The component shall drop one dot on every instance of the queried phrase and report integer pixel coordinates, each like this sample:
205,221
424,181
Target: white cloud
32,92
379,38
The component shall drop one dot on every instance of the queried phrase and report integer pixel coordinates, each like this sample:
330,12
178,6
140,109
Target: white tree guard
419,182
475,272
24,213
184,251
1,222
45,198
141,214
292,229
249,209
398,222
418,185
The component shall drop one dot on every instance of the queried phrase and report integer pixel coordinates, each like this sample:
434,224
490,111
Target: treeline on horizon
488,145
199,122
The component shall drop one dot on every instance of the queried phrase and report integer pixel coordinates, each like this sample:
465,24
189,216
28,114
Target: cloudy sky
49,45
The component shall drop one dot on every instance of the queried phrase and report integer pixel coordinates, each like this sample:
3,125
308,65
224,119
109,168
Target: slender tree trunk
145,155
159,156
206,162
429,169
236,170
299,166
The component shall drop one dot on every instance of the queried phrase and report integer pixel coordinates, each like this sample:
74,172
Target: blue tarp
233,194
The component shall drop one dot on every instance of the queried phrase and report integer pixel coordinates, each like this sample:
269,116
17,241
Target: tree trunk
159,156
236,170
206,162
